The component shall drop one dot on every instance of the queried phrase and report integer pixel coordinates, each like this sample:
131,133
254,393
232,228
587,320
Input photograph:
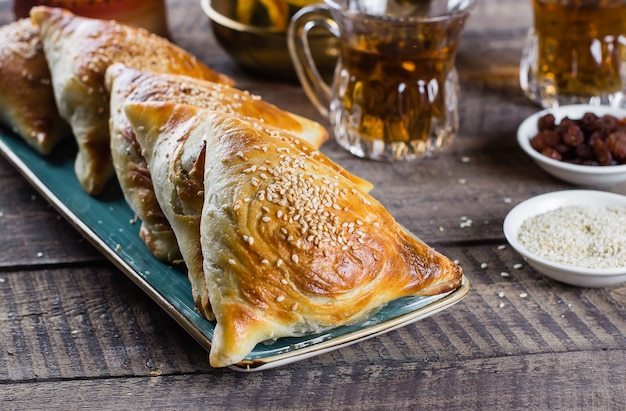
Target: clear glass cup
395,91
576,53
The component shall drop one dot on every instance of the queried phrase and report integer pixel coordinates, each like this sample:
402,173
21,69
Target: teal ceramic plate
109,224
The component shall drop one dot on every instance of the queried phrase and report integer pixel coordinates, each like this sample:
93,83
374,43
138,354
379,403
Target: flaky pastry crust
27,105
127,84
174,151
290,244
78,51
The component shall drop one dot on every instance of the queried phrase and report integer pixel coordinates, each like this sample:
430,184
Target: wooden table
76,333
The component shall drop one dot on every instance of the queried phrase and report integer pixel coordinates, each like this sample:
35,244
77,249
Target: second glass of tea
395,91
576,53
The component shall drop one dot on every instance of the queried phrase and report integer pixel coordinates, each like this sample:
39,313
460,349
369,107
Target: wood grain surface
75,333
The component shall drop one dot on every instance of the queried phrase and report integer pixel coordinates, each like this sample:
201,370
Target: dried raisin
591,140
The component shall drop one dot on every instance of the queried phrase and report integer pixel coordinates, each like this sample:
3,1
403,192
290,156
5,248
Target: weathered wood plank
505,382
32,232
92,322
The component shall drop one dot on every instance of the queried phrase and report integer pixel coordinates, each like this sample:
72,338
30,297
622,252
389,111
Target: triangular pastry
78,51
127,84
27,104
173,149
290,245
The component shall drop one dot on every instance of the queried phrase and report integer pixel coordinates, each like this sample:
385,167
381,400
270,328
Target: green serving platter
111,226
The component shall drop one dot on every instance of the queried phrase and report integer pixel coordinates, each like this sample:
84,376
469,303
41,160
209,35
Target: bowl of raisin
582,144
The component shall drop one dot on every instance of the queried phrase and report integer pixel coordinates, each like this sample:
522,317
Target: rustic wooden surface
75,333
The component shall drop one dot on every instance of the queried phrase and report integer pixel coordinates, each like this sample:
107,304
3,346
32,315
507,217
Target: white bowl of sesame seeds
576,237
582,173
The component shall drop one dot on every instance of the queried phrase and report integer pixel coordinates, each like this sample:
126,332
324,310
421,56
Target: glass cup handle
315,87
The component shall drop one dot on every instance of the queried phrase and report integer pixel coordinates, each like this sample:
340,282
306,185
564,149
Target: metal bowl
256,37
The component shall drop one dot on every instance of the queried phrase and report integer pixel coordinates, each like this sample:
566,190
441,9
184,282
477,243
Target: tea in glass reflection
397,92
394,95
576,53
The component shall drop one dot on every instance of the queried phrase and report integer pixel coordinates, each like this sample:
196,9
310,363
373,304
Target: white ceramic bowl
595,176
583,277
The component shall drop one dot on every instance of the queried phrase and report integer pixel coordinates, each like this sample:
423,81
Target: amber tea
395,90
576,52
396,94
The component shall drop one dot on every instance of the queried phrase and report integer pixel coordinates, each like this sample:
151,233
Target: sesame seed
294,258
280,298
483,265
283,281
231,262
266,219
279,262
517,266
504,274
523,295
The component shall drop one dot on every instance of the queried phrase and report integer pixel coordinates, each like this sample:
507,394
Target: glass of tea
395,90
576,53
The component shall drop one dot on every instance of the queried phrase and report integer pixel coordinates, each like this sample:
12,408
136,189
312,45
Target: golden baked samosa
176,164
127,84
78,51
290,244
27,104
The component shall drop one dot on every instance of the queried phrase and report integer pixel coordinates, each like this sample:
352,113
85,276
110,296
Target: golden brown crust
27,103
179,190
126,84
78,51
290,245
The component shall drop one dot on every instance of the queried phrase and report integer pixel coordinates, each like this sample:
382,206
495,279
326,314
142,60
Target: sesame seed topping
231,262
280,298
